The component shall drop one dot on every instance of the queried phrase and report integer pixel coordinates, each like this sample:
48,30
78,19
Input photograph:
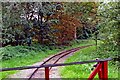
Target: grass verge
84,70
23,61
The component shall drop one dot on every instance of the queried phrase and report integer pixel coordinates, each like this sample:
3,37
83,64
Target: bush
9,52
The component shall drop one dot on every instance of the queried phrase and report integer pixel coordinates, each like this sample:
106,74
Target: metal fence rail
53,65
101,68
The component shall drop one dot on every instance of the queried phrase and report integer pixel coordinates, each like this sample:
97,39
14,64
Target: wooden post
75,33
46,73
96,40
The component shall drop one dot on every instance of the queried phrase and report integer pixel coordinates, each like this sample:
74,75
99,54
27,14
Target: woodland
33,28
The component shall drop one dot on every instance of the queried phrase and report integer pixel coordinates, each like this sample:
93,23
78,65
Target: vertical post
46,73
96,70
75,33
105,70
96,40
100,74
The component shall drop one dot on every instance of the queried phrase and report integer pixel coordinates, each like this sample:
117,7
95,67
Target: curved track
55,58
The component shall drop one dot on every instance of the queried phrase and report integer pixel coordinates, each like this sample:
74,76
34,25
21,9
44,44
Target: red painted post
96,70
100,74
46,73
105,70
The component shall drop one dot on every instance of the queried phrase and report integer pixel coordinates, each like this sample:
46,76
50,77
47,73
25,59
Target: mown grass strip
83,71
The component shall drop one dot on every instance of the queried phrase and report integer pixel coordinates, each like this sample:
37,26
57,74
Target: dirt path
54,72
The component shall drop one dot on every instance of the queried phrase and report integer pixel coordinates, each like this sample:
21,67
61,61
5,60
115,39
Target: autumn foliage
46,22
66,27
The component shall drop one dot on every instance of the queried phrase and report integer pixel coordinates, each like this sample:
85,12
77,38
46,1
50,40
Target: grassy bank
83,71
30,59
14,56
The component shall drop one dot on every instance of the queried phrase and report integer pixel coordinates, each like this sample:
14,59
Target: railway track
55,58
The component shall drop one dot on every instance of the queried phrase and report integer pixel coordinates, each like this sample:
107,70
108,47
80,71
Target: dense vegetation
40,29
108,31
46,22
109,28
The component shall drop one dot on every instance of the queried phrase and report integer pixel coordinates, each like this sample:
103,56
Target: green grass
84,70
25,55
77,43
23,61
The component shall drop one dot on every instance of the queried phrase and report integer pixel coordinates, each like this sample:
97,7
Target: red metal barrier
46,73
105,70
102,70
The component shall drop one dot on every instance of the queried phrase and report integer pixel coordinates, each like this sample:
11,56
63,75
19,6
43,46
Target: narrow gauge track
55,58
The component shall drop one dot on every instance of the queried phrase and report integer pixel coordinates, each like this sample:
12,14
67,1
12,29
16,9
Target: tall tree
109,25
86,13
24,20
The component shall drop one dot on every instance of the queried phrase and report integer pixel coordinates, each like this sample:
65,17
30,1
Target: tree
109,29
86,13
24,20
109,25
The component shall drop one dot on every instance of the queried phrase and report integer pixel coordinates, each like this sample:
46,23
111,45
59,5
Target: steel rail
46,62
63,56
49,60
66,51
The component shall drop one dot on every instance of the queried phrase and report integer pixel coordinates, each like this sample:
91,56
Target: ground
54,72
